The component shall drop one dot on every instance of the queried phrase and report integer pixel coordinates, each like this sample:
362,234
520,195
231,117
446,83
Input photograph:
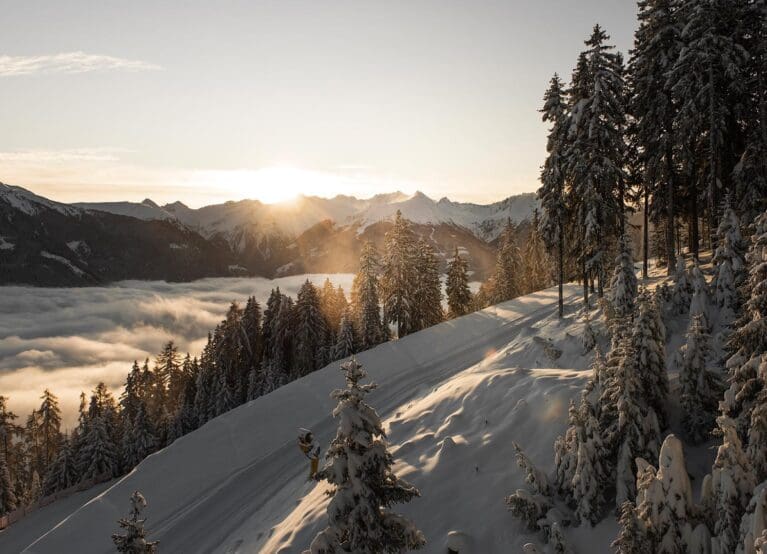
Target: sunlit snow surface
454,397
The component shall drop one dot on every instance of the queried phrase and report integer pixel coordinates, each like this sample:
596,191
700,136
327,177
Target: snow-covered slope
29,203
454,397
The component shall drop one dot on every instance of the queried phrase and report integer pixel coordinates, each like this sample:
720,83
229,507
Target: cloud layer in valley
69,339
68,62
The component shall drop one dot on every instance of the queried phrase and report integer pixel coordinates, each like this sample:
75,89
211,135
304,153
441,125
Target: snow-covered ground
454,397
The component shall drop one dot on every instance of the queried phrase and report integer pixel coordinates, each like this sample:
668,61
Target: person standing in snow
311,450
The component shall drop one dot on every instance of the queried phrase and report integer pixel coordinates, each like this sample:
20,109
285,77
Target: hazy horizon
107,102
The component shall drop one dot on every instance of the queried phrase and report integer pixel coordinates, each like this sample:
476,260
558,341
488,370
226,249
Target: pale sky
206,101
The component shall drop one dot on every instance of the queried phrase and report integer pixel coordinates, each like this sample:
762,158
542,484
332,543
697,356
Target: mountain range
48,243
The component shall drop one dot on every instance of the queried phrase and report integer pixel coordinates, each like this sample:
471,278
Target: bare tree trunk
670,193
561,270
645,235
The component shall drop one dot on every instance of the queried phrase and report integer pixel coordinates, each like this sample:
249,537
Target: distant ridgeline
47,243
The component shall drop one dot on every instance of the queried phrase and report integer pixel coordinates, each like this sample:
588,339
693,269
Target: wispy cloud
100,154
68,62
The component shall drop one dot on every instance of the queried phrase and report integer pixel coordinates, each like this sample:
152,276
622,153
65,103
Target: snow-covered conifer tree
699,299
134,540
427,291
367,311
457,286
7,495
364,486
682,290
623,286
648,340
399,275
664,499
139,440
553,174
656,48
590,476
631,538
700,387
747,365
536,260
597,152
311,332
711,59
63,472
508,277
344,346
98,455
733,481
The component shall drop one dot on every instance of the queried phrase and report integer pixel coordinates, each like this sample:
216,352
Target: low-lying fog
69,339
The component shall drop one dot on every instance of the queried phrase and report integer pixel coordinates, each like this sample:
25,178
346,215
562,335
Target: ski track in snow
227,486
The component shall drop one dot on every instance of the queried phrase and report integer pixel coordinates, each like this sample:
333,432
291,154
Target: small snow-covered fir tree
699,300
589,337
364,486
457,286
648,340
631,538
590,476
532,505
757,437
623,287
664,499
753,526
682,289
134,541
729,266
701,388
732,482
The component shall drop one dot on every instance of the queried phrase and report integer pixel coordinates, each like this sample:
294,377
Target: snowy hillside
453,396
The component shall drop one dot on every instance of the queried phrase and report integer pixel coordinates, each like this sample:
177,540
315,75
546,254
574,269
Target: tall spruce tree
427,290
399,276
553,175
311,331
597,151
367,310
508,278
705,80
656,47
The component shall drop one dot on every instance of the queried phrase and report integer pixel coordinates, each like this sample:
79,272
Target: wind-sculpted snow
69,339
453,397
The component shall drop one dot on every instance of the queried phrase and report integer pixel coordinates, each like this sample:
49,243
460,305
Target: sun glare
270,185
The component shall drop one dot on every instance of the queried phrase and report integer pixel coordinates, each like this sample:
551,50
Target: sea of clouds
69,339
